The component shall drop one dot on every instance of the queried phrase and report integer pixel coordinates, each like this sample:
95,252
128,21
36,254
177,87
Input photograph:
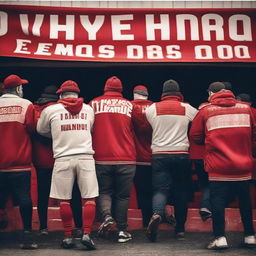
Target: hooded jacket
197,151
112,131
16,124
42,147
170,119
69,123
142,130
227,128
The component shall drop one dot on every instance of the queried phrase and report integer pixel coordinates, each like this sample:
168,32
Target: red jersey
112,130
227,128
143,131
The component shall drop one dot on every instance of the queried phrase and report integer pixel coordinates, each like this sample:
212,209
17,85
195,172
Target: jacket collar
112,93
173,97
9,95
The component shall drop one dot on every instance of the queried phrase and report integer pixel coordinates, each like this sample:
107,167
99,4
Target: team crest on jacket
112,106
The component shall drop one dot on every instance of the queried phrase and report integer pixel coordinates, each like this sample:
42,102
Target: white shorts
64,172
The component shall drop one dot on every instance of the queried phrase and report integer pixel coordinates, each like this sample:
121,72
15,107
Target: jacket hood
72,105
178,97
223,98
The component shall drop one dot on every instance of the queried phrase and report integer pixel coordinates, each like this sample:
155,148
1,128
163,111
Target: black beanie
48,95
244,97
50,92
228,85
170,87
216,87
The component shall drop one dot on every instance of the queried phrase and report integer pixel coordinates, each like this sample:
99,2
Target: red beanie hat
69,86
13,81
141,89
113,84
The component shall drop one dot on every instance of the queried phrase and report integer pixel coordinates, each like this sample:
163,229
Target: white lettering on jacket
112,106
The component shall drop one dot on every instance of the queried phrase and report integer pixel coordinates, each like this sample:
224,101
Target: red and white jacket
16,124
170,119
227,128
112,136
42,146
142,130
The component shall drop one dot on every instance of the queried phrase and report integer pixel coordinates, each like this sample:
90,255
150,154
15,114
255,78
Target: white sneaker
124,236
218,244
250,241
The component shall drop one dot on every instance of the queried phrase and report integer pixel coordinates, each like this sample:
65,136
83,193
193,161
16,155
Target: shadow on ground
194,245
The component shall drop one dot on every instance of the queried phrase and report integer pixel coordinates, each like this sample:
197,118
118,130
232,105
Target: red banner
128,35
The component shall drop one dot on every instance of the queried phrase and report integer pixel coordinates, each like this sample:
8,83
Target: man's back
16,120
112,130
169,119
226,128
71,134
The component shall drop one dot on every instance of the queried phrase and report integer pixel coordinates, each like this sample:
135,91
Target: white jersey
71,134
169,120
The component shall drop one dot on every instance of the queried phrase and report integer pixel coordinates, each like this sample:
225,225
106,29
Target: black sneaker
152,228
77,233
124,236
105,225
67,243
205,214
3,220
180,236
87,241
43,232
27,241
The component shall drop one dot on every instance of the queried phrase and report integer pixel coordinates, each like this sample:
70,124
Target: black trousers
219,195
44,178
19,184
115,183
171,171
143,186
203,183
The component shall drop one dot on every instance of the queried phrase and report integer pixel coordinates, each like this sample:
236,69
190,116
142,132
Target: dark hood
72,105
223,98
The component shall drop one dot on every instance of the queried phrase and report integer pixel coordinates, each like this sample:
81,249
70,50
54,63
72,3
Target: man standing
69,124
227,129
115,156
170,119
142,139
16,124
43,161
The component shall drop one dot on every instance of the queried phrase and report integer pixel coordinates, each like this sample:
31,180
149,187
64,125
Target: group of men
101,148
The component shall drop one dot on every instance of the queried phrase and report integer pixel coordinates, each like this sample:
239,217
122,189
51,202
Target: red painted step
194,222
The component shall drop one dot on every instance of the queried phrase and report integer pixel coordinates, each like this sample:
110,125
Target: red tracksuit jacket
112,135
42,146
197,151
16,123
143,131
227,128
